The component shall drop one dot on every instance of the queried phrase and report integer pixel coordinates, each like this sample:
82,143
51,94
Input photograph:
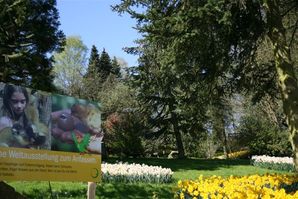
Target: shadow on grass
62,193
114,190
185,164
134,191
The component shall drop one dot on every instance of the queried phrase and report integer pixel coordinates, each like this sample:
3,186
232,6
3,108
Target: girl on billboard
15,128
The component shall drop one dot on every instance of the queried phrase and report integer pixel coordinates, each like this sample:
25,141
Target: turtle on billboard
76,125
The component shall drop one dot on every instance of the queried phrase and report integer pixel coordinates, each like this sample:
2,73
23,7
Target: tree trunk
219,128
224,139
225,145
179,144
285,70
219,125
177,133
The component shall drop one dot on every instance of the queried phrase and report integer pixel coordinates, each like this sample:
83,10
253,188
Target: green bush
263,138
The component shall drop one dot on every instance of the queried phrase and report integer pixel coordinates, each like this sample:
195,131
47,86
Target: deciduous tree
70,67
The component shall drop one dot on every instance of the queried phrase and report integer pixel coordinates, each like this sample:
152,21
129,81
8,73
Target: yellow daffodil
253,186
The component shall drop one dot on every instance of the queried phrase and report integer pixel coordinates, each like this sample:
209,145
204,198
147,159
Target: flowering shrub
124,172
254,186
123,134
239,154
277,163
236,155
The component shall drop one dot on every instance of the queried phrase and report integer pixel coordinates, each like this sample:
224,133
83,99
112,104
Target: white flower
270,159
135,172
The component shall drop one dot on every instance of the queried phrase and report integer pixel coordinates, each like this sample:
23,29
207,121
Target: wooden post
91,190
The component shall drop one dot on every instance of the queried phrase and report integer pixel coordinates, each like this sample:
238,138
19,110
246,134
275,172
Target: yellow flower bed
246,187
239,154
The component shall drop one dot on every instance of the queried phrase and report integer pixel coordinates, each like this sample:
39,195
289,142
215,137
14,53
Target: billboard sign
45,136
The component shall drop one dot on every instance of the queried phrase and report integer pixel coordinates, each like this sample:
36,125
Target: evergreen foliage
92,80
102,83
101,75
93,64
115,68
263,137
212,43
261,128
105,65
28,35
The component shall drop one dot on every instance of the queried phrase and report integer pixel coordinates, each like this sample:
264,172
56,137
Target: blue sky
96,24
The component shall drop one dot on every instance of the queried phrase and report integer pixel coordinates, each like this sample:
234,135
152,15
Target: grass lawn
183,169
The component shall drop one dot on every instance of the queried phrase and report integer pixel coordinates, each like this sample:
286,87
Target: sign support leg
91,190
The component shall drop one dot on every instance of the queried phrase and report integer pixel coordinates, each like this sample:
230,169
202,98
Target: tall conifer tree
93,65
105,65
219,39
28,35
92,80
115,67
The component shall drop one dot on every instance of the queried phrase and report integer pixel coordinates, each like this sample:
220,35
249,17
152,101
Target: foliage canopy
28,35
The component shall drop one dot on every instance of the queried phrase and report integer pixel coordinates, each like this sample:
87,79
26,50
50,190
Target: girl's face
18,102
